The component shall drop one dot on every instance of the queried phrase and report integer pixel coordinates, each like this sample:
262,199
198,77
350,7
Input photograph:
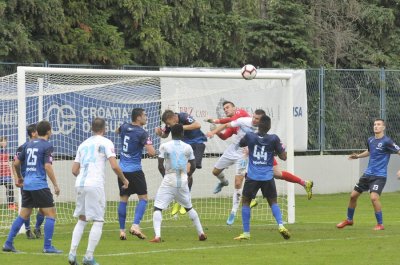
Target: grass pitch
315,239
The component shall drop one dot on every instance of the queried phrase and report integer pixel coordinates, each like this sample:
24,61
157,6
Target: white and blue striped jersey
176,155
379,155
92,156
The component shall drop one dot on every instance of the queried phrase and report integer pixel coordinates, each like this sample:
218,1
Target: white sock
236,200
196,221
221,177
94,238
157,219
77,235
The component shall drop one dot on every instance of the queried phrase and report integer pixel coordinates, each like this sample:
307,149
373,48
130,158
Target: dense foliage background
218,33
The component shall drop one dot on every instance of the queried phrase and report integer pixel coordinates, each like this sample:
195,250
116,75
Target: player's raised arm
193,126
218,129
150,150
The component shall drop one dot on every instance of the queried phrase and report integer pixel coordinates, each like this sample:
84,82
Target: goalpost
70,98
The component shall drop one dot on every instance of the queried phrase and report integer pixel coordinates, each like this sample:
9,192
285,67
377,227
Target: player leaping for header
234,113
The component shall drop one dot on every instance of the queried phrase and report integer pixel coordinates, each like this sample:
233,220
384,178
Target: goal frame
21,94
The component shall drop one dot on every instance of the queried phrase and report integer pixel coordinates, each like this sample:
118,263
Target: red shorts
275,163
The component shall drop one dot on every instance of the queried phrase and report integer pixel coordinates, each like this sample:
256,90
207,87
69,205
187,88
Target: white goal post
70,97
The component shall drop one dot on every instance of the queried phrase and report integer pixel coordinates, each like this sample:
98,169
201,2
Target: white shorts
166,194
225,162
90,202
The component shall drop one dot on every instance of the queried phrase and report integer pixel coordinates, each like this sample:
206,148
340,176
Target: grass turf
315,239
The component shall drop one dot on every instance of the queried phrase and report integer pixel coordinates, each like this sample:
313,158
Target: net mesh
71,102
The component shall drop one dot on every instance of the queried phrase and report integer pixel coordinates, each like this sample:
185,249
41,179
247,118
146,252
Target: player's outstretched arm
357,156
193,126
50,173
218,129
117,170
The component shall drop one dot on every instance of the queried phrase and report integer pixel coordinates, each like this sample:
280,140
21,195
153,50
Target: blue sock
379,217
139,211
48,231
246,213
15,227
276,211
350,213
27,224
39,220
122,214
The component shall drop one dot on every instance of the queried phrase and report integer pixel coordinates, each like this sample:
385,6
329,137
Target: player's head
177,131
170,118
99,126
229,108
3,141
379,126
264,125
44,129
258,113
139,116
32,131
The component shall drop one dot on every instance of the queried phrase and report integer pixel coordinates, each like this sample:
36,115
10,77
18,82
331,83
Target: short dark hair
379,119
259,112
98,125
264,125
177,131
228,102
167,115
31,129
136,112
43,127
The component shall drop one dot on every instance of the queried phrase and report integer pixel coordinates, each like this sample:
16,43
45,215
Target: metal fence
342,103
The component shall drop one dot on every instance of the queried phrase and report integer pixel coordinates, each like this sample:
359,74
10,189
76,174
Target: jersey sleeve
122,127
109,149
19,150
278,146
244,141
392,146
162,150
144,138
78,155
21,155
48,154
185,119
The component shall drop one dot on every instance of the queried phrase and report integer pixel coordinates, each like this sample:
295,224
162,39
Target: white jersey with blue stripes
92,156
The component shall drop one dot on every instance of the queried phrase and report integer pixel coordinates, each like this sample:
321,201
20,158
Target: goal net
71,98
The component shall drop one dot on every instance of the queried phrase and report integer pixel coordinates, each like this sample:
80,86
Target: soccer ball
249,71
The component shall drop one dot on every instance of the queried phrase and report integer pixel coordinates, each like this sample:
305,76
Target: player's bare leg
222,180
289,177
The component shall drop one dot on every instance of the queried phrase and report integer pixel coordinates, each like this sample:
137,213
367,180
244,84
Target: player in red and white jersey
232,113
230,109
